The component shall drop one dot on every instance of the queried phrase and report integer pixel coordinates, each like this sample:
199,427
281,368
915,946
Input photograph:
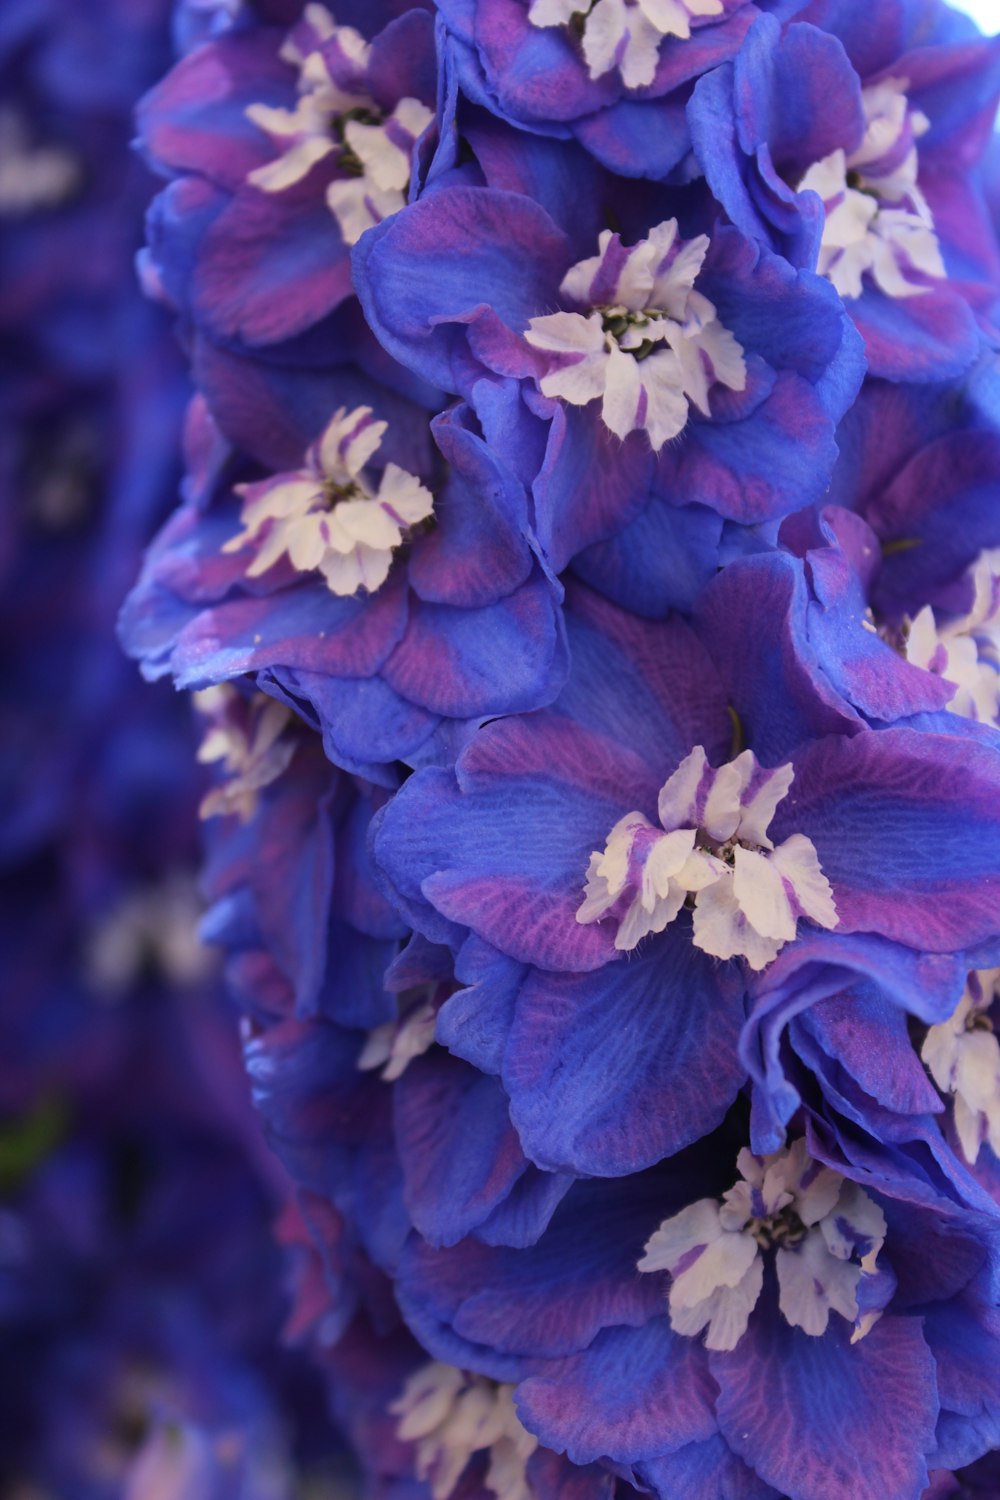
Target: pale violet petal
721,930
688,1230
605,29
661,377
642,51
761,897
677,804
723,1263
757,812
855,1223
797,862
620,409
811,1281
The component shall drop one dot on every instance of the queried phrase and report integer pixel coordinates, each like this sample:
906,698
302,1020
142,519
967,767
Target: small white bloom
328,516
451,1416
963,1056
713,847
965,651
878,222
335,116
625,34
247,737
650,347
825,1231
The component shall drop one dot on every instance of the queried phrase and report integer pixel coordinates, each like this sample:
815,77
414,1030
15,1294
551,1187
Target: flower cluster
587,574
140,1289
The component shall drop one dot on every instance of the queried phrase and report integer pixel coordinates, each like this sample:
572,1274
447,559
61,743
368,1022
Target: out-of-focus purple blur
141,1288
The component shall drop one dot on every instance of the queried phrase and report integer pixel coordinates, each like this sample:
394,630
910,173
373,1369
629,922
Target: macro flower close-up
500,819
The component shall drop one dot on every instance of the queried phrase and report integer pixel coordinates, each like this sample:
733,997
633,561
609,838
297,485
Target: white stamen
712,846
248,737
451,1416
826,1233
963,1056
328,516
625,34
878,222
393,1046
650,346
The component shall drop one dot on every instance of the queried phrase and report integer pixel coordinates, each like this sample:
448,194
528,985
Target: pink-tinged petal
591,483
422,273
932,336
583,1096
656,678
469,663
477,552
907,829
195,120
459,1152
504,849
302,627
271,265
822,1418
634,1394
274,411
553,1298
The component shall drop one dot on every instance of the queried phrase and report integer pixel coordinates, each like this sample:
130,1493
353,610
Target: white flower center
965,651
450,1416
650,347
624,34
327,516
32,177
825,1232
246,736
963,1056
712,847
878,222
335,114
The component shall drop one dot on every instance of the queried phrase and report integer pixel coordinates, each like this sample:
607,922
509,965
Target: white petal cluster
327,517
625,34
393,1046
451,1416
247,737
965,651
333,117
385,153
304,133
157,925
650,347
32,177
878,222
712,845
825,1231
963,1056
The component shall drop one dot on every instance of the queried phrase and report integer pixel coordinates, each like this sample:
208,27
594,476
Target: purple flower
842,153
613,75
746,363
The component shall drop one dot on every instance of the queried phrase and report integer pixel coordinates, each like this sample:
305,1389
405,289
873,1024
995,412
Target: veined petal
760,896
